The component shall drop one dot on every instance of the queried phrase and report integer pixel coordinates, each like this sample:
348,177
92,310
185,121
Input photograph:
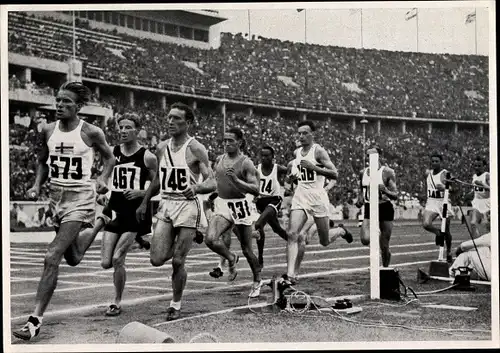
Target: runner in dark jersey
133,167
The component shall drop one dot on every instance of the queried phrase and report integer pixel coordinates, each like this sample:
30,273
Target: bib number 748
177,179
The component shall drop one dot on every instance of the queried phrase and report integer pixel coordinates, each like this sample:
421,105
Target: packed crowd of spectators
284,72
407,153
278,72
32,87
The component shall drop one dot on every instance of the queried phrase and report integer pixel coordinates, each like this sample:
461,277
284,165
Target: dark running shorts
265,201
128,223
385,212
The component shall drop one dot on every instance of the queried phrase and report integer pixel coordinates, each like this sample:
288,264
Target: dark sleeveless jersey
225,187
129,172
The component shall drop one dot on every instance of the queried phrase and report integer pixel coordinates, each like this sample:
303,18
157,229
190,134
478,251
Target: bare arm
330,185
99,144
328,169
151,162
42,169
208,185
486,184
391,189
154,187
484,240
282,170
361,199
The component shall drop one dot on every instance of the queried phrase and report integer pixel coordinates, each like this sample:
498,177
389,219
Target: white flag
411,14
470,18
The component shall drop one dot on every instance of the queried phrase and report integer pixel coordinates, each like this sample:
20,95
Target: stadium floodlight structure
374,226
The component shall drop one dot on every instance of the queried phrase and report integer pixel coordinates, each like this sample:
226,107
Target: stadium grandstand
137,63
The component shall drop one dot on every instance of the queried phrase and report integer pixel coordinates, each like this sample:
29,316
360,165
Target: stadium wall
31,208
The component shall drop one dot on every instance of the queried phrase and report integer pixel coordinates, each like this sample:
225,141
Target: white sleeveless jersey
269,185
70,159
308,179
175,174
365,183
479,192
433,181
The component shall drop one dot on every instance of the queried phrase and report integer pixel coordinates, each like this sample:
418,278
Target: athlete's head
233,140
379,151
179,118
128,126
436,160
266,155
479,165
70,98
306,130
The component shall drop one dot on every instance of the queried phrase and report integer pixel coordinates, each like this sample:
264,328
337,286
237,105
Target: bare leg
475,220
162,243
427,219
218,225
120,276
385,237
179,275
297,220
244,234
74,254
65,236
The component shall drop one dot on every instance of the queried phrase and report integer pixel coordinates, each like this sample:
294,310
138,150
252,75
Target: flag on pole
300,10
470,18
411,14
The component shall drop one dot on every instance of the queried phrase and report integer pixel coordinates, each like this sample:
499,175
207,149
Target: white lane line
254,306
206,282
64,290
136,301
163,289
141,269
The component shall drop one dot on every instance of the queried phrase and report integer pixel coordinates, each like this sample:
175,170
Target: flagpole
305,26
248,11
305,43
74,36
417,29
475,29
361,28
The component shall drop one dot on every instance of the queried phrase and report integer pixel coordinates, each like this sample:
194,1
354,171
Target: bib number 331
239,209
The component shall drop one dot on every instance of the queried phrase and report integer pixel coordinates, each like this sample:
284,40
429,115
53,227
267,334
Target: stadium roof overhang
199,17
206,17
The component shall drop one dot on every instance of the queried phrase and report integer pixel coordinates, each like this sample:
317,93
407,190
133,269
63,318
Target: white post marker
374,226
444,214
